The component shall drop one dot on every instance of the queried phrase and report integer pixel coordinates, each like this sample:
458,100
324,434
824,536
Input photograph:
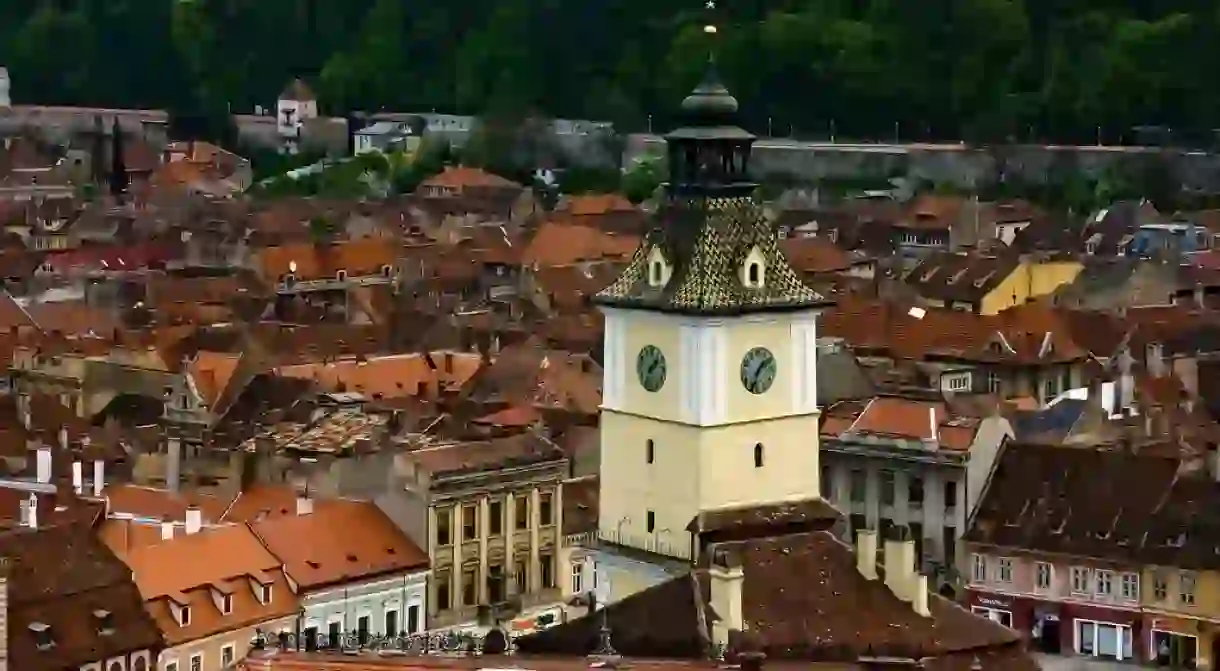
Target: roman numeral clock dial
650,367
758,370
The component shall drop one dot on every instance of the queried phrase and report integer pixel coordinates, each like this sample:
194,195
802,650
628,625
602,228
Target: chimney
63,438
900,563
99,477
304,504
167,531
78,477
24,401
173,464
43,464
726,577
31,506
933,433
866,553
194,519
920,597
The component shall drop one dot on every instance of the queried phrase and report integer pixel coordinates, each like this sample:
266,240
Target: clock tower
710,390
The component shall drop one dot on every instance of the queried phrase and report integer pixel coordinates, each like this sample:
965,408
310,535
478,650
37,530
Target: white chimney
304,504
727,578
24,402
78,477
167,531
866,553
31,506
99,477
63,438
900,565
194,520
933,434
920,601
43,464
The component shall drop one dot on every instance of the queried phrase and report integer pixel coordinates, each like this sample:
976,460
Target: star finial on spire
710,28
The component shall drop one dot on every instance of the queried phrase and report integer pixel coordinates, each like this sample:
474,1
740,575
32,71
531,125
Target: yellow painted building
1181,611
710,389
988,285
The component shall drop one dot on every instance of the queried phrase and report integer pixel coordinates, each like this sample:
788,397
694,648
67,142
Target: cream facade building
710,390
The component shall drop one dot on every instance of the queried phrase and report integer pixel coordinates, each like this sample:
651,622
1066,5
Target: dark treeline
979,70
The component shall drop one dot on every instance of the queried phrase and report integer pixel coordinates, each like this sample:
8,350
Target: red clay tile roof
339,541
815,255
561,244
835,614
60,576
462,177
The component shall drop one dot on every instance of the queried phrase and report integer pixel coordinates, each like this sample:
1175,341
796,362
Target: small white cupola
754,270
659,269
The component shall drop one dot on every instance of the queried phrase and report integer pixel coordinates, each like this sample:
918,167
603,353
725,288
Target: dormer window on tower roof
658,268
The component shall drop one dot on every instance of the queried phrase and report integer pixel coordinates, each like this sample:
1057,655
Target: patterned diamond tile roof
706,241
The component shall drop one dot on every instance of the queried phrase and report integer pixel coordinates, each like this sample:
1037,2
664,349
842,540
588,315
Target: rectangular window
1160,587
196,662
548,570
649,453
915,491
469,594
859,485
1186,588
443,591
362,629
651,521
994,384
1050,389
519,576
1105,583
470,522
959,382
1005,569
1131,586
979,573
546,511
828,485
577,567
444,534
1042,576
412,619
495,513
391,623
226,656
887,487
950,495
171,666
1080,580
334,635
522,514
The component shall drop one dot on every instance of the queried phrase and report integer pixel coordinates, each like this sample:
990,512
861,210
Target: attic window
290,279
656,273
386,271
226,603
105,622
755,274
264,593
42,635
184,616
341,275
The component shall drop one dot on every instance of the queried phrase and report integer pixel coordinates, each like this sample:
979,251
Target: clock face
758,370
650,366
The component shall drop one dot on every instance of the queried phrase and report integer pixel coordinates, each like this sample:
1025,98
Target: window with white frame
979,573
1103,639
1186,588
1131,586
577,587
1105,583
171,666
1080,580
227,656
1042,575
196,662
1005,572
958,382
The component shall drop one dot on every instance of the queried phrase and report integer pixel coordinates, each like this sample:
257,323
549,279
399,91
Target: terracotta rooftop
61,577
836,615
339,542
462,176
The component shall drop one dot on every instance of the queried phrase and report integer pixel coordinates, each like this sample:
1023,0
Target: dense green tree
985,71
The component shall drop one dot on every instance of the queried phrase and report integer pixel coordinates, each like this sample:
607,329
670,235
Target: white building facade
380,610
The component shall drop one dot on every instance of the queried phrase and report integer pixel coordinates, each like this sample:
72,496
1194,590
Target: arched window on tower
758,455
754,274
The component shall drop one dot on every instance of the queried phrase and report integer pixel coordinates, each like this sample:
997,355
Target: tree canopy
948,69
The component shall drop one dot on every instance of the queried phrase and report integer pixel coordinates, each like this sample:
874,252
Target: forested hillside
868,68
